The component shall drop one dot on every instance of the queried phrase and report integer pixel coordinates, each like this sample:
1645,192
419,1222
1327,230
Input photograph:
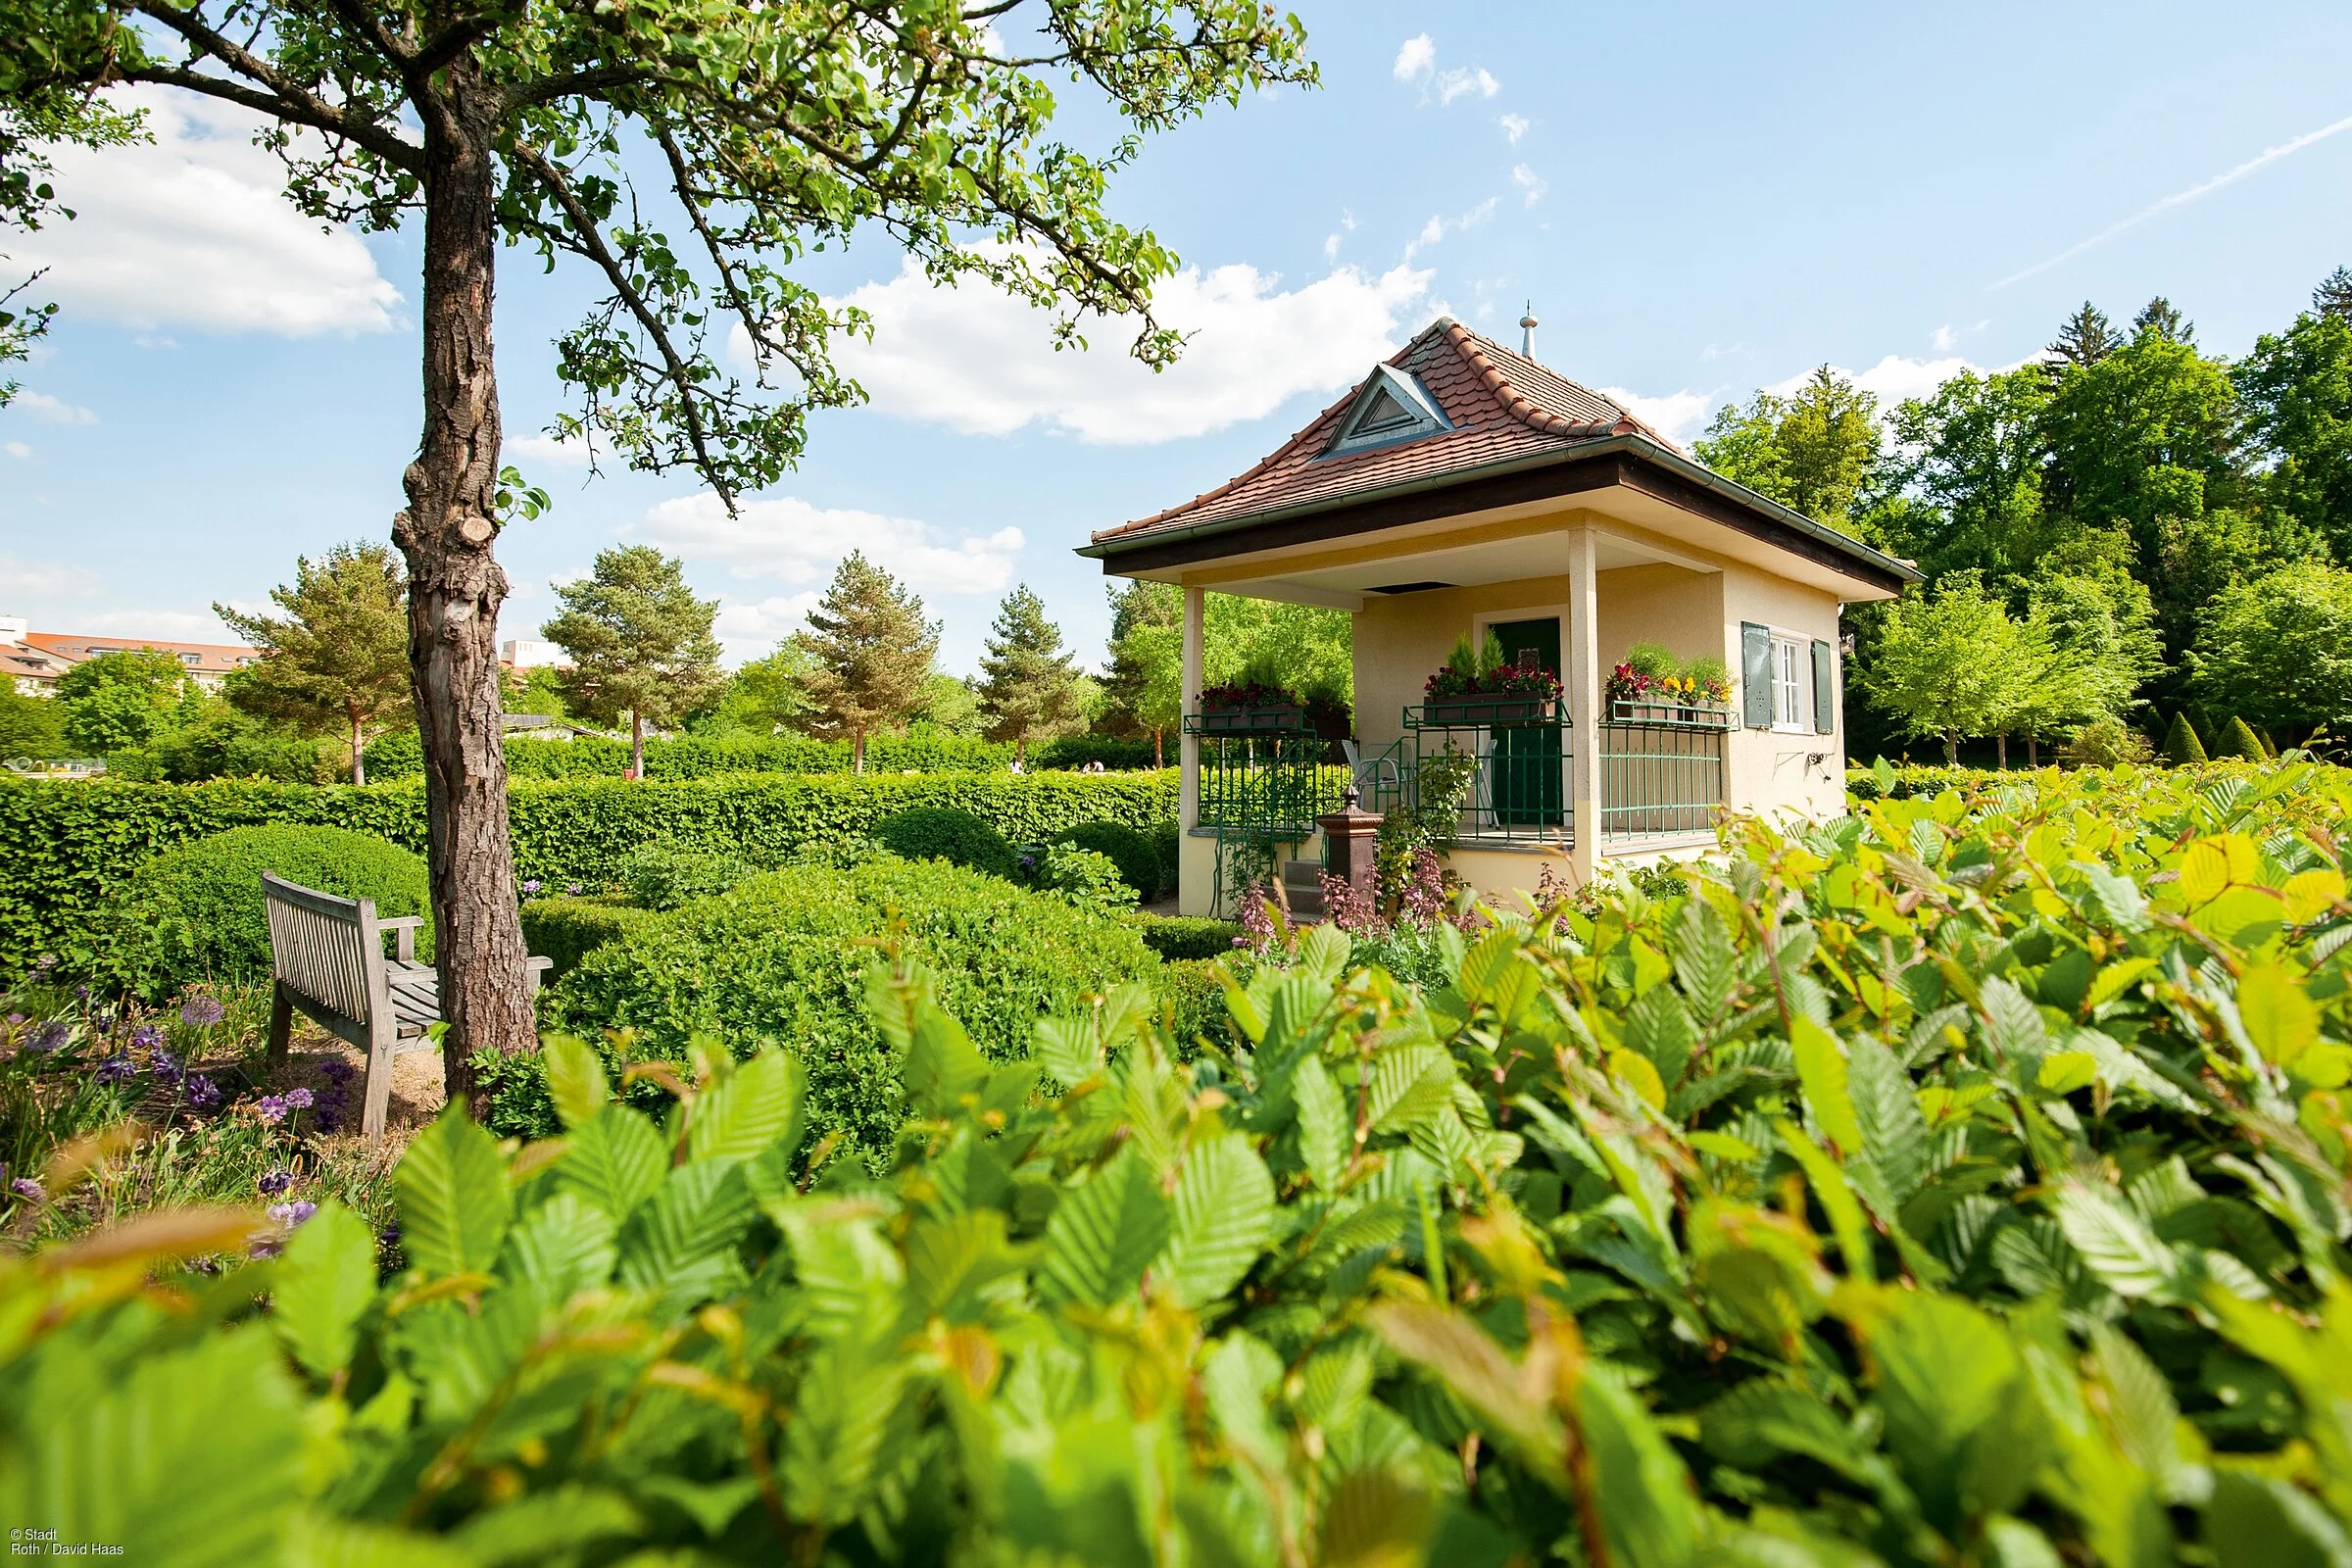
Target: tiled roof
1500,404
210,659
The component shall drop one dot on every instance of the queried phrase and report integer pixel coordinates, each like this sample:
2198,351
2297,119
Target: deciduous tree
871,654
640,643
767,131
1952,664
2277,650
1811,451
1029,686
118,702
1144,681
338,658
2297,388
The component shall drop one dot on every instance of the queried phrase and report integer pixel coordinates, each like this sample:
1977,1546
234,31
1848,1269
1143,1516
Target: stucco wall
1769,772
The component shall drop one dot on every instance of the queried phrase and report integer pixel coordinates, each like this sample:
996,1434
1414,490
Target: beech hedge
398,755
68,848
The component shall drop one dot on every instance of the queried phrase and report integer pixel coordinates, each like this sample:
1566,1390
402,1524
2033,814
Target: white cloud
56,411
749,630
1417,60
1945,339
15,449
981,363
1528,181
165,625
38,577
1678,417
1515,127
1893,378
193,231
1438,227
785,539
546,450
1331,247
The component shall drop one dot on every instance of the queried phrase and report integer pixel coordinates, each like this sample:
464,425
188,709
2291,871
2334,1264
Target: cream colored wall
1772,774
1400,640
1683,609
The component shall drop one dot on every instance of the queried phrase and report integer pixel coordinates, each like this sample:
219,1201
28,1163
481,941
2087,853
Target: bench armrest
537,968
404,930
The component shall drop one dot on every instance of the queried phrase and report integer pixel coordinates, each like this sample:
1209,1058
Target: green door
1525,762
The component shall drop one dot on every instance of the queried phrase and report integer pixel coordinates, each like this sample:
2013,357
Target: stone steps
1302,886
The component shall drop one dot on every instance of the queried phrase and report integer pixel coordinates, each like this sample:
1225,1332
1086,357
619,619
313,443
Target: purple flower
273,1183
164,1065
271,1108
81,993
27,1188
572,888
531,886
45,963
146,1036
49,1035
294,1213
335,1070
203,1093
116,1068
201,1012
297,1099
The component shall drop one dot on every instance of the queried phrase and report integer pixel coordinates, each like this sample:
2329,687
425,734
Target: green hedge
1177,936
67,848
783,959
568,929
398,755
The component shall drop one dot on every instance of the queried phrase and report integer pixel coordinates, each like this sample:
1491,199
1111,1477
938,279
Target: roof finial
1527,332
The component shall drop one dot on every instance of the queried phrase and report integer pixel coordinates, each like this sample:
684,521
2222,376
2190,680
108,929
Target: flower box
1500,709
1703,715
1242,720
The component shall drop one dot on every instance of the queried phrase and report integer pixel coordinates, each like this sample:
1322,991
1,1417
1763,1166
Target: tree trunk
1157,759
636,746
857,750
455,588
2001,748
1021,753
2034,751
359,768
1951,748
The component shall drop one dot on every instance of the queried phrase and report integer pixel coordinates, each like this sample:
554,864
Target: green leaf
190,1457
2117,1245
2065,1071
563,1246
681,1242
1705,960
616,1160
1835,1196
1326,1133
1961,1419
454,1199
321,1540
1651,1513
546,1525
941,1065
1820,1071
1659,1027
1893,1128
575,1078
1224,1218
1377,1518
755,1106
2254,1521
1104,1232
2278,1015
324,1285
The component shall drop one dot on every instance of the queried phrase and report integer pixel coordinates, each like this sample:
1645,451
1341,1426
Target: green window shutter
1755,673
1825,688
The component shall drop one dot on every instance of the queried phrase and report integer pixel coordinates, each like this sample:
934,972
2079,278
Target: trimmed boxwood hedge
67,848
947,833
566,929
1181,936
195,912
783,958
398,755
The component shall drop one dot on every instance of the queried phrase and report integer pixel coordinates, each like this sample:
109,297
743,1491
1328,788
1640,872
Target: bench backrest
325,948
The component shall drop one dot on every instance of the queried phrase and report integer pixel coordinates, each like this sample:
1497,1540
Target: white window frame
1792,684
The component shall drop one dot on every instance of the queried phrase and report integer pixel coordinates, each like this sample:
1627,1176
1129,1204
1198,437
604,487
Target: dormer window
1392,406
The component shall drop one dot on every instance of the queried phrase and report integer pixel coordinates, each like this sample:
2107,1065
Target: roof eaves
1639,443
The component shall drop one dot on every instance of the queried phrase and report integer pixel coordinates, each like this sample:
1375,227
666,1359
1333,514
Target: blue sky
1699,199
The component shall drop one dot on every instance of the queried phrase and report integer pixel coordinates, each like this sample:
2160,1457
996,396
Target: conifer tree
640,643
2334,296
2181,748
871,651
339,657
2163,317
2240,741
1029,687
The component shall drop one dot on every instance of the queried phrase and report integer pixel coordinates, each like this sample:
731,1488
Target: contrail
2182,198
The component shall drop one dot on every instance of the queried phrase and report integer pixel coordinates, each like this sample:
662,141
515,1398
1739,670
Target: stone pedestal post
1350,843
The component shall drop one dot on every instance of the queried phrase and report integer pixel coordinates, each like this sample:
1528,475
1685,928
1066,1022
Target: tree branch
283,98
588,241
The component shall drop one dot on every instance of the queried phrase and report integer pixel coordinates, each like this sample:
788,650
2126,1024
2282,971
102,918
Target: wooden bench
326,957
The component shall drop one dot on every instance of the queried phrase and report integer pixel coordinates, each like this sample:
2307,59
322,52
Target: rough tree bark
358,768
636,745
455,588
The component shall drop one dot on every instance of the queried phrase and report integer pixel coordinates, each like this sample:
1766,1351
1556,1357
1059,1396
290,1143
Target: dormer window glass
1392,406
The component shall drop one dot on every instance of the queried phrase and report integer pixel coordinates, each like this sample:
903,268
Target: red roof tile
1500,404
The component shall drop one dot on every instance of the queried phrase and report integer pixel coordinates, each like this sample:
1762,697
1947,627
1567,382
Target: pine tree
339,657
1028,689
2334,296
872,651
2163,317
2242,742
640,643
2181,748
2086,339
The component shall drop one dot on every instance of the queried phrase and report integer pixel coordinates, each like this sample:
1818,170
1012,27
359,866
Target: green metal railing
1519,786
1262,788
1659,779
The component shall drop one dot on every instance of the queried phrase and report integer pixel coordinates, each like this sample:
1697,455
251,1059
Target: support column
1584,681
1188,806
